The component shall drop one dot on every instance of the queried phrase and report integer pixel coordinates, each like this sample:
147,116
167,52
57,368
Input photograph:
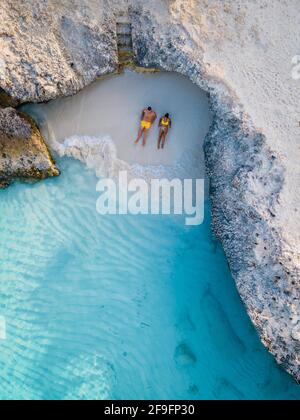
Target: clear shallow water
120,307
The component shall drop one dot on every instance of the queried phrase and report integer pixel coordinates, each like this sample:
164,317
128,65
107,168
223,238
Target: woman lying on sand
165,124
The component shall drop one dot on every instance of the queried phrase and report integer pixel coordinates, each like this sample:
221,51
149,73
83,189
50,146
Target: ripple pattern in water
119,307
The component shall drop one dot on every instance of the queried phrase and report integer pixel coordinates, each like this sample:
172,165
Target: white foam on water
99,154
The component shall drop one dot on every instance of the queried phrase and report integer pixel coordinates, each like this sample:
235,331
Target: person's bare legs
164,137
140,135
146,132
159,139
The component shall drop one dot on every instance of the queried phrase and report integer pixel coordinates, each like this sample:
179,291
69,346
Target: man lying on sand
147,119
164,124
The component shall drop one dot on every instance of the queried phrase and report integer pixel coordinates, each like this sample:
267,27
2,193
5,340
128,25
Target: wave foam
100,154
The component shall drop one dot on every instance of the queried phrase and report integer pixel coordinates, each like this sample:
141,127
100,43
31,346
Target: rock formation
23,153
53,48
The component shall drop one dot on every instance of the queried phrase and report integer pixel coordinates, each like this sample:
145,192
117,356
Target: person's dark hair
167,115
149,108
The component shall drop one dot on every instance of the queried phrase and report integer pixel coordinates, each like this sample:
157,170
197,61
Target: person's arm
170,123
159,123
143,113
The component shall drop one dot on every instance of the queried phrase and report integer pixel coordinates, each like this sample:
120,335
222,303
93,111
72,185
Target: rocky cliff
23,152
240,53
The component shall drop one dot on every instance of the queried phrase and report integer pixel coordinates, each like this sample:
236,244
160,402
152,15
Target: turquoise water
120,307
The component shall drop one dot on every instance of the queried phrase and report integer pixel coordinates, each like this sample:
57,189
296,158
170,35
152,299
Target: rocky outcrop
51,48
231,50
23,152
247,179
245,195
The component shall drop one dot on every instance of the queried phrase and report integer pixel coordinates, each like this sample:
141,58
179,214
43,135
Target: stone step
124,38
123,18
124,41
124,28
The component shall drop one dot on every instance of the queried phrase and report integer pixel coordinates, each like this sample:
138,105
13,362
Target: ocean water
120,307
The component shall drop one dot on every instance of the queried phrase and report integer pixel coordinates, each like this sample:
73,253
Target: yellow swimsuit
146,125
165,123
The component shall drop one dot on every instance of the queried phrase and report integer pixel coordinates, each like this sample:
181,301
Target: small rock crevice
124,40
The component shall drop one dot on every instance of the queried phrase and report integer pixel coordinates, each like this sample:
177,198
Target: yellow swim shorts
146,125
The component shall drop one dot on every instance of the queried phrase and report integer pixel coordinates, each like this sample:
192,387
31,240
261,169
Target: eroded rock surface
23,152
241,53
254,176
53,48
